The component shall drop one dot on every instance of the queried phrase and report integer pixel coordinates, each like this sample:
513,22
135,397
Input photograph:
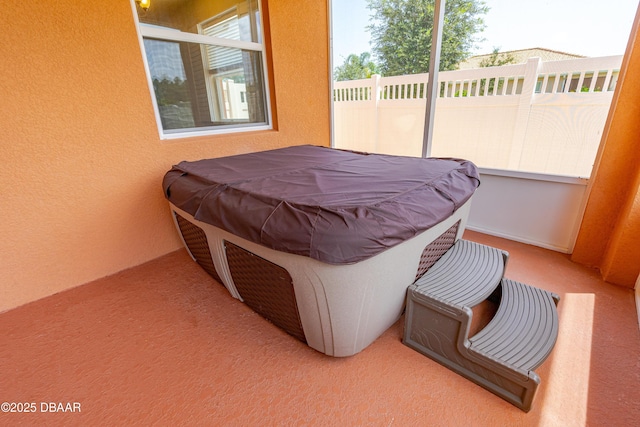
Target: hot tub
321,242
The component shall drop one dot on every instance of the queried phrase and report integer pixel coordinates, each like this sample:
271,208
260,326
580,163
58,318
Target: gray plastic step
502,356
466,275
524,329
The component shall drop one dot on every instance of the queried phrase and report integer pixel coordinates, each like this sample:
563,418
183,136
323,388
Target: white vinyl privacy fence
543,117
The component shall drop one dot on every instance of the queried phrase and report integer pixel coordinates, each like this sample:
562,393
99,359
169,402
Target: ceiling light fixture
144,4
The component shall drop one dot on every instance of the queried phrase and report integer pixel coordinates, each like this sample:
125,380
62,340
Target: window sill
534,176
213,132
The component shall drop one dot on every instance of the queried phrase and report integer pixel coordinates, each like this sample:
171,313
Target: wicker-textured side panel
265,287
196,241
436,249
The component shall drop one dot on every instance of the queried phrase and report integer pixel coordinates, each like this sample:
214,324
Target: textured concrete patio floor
164,344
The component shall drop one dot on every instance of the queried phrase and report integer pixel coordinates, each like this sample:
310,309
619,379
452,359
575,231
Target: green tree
401,33
356,67
497,59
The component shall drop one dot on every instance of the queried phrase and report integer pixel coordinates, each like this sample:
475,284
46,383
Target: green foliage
401,33
170,92
497,59
356,67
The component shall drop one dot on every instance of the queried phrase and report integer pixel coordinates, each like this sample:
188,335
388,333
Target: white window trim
175,35
152,31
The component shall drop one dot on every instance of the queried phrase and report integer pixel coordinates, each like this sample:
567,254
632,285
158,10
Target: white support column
375,99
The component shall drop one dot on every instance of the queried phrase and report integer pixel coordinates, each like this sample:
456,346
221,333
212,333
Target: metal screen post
432,84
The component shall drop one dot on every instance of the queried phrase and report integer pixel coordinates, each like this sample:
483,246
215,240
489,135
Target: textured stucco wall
610,231
82,160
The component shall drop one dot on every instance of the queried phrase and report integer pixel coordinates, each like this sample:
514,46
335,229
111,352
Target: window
206,66
508,106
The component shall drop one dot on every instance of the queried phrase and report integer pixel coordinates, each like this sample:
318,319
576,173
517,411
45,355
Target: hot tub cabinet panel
342,308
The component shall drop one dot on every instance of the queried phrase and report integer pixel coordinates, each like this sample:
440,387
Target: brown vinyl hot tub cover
335,206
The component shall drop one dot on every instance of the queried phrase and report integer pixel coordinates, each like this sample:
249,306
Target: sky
583,27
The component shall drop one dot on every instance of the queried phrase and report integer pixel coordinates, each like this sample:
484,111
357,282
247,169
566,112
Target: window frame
172,35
